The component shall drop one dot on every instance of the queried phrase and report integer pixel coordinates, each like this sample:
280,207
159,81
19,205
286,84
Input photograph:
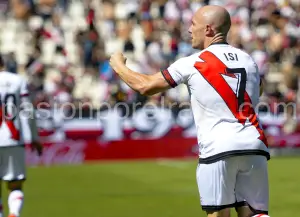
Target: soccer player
224,86
14,94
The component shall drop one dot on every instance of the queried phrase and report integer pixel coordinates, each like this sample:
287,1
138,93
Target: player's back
223,82
12,88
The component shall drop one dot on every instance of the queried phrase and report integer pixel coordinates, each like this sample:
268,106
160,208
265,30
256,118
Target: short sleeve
177,73
24,89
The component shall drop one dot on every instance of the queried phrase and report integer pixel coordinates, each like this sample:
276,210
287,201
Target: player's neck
218,39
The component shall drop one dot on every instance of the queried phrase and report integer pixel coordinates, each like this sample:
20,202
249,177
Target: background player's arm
35,141
144,84
27,104
261,90
33,126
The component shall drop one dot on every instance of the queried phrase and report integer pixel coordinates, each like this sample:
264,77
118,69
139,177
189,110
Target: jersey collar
221,42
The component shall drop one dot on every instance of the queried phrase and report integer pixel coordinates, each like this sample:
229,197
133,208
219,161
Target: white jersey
12,88
224,86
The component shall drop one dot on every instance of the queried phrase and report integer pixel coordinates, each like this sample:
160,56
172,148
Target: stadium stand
63,46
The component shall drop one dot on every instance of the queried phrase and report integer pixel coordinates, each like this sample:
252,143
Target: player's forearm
137,81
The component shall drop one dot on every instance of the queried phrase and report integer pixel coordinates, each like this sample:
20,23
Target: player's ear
209,31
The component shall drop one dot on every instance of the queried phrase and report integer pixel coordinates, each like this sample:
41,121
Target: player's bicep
168,78
178,72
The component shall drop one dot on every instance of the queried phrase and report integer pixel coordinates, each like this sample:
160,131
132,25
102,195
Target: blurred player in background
224,86
13,95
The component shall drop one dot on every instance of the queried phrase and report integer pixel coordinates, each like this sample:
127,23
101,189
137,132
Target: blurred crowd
63,46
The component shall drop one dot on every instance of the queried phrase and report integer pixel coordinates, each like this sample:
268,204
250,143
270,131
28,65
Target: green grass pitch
159,188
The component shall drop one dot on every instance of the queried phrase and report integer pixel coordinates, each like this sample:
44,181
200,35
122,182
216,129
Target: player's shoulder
9,74
248,59
6,76
243,52
188,60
